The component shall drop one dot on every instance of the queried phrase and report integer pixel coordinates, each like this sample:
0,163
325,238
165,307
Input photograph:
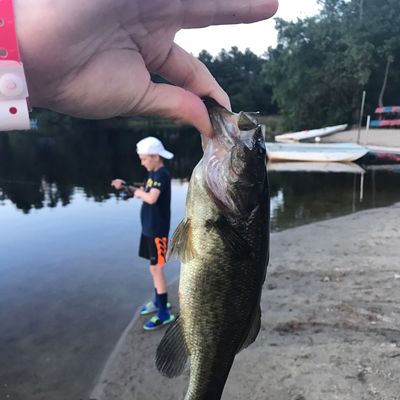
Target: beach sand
330,322
372,137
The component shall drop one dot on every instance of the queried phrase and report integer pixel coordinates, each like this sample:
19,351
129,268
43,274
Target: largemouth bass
223,244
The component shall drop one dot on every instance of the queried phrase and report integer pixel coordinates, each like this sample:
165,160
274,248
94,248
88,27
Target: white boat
309,166
321,152
309,134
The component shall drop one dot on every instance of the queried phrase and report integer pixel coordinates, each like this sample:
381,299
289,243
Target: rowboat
309,134
332,152
309,166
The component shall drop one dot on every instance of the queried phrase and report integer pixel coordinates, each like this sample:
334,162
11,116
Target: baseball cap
152,145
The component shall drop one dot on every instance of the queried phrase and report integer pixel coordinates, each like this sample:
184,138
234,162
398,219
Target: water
71,282
302,197
70,276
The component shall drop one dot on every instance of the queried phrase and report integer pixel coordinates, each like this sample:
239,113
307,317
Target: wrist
19,23
13,88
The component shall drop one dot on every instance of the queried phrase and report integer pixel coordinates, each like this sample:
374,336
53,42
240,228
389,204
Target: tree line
316,74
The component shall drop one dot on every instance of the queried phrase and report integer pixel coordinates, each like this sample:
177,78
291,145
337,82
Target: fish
223,246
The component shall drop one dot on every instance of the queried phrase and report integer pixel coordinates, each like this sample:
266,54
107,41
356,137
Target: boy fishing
155,218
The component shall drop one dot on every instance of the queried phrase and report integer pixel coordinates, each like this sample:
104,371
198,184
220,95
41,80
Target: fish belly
218,299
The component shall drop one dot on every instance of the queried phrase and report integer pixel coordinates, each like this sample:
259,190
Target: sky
257,36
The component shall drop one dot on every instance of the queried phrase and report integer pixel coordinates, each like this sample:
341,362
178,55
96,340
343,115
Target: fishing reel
126,191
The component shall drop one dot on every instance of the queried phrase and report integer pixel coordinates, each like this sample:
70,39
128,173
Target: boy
155,218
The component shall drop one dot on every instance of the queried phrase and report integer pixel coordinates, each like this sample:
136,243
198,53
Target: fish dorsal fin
181,244
172,354
230,236
254,329
247,121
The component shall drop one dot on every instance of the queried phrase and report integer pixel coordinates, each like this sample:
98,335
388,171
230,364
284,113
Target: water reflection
299,197
70,283
41,170
71,278
70,275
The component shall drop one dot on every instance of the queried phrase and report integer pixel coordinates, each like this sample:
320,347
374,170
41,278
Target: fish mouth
234,158
212,105
246,121
231,128
239,135
258,144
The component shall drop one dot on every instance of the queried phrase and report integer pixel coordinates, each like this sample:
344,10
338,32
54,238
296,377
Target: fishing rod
136,185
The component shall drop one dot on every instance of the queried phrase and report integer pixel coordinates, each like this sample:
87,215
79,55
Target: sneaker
155,322
150,308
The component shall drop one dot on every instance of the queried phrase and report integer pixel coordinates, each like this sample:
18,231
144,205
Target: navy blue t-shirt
156,217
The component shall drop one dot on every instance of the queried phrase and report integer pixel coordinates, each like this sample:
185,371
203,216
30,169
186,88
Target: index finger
199,14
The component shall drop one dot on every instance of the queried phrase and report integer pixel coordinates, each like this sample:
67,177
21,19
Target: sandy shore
374,137
330,323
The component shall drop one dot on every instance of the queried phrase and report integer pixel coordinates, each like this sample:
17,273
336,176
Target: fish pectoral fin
172,354
230,236
253,332
181,244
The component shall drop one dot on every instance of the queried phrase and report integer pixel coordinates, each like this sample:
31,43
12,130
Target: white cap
152,145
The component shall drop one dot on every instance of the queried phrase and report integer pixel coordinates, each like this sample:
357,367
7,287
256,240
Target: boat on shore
320,152
309,134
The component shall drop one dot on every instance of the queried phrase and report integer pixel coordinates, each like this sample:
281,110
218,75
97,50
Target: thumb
178,104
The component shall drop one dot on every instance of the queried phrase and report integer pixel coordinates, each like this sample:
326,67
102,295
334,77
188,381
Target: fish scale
223,244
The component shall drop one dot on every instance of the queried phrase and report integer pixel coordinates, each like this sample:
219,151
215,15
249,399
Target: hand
118,184
93,58
139,193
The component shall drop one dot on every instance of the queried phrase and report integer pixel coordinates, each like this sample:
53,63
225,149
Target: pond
71,279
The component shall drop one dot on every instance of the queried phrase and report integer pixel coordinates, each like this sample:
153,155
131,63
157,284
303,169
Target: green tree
321,64
240,75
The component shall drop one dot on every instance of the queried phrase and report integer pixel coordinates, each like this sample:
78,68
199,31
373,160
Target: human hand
138,193
118,183
93,58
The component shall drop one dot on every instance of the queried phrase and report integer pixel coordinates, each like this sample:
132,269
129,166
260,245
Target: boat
309,166
325,152
309,134
388,116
